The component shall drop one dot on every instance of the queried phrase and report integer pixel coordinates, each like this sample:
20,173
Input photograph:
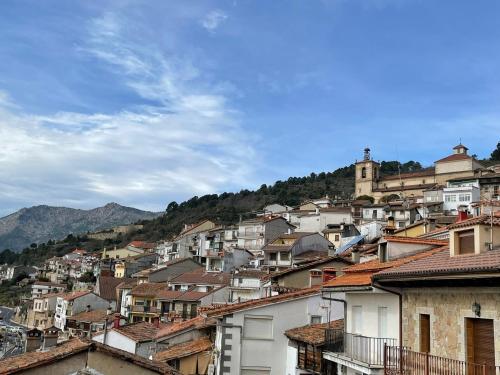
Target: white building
255,233
247,285
74,303
250,336
460,195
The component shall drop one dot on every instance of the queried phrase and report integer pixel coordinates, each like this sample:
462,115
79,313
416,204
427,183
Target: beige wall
448,308
300,279
109,365
364,186
68,365
482,236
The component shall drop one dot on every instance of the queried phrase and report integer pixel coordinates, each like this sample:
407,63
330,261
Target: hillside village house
369,182
450,303
201,279
340,234
167,271
318,219
371,316
38,288
287,249
226,260
248,285
41,312
73,303
191,242
253,234
250,336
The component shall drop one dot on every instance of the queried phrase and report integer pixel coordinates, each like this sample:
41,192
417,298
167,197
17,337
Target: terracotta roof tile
483,219
200,276
454,157
416,240
313,334
228,309
23,362
147,289
360,274
443,264
198,323
184,350
90,316
107,286
74,295
140,331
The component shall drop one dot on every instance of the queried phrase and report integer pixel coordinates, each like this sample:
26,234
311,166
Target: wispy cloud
213,20
189,142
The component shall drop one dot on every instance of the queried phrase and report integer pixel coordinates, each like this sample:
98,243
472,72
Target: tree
172,206
495,155
389,198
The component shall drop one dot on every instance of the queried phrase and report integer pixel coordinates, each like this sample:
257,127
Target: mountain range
42,223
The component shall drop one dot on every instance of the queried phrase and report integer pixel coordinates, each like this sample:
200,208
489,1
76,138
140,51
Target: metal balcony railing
401,361
369,350
144,309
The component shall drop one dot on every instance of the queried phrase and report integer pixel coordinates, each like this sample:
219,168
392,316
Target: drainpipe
400,297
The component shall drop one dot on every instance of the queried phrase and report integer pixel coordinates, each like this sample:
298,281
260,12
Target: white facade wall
453,197
269,354
117,340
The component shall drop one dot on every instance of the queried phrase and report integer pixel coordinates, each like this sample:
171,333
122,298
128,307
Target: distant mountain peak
41,223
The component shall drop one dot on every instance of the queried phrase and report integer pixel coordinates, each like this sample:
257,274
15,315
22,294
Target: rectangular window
450,198
315,319
465,242
337,237
382,321
464,197
272,256
284,255
357,322
425,333
258,327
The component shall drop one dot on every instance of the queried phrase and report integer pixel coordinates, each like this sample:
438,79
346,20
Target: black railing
369,350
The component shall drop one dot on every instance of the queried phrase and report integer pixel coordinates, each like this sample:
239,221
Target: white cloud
213,20
189,143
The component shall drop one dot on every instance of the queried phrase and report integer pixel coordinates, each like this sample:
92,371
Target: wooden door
425,333
480,341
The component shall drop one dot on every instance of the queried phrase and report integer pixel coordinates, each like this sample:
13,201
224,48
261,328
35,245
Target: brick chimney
116,320
462,215
156,321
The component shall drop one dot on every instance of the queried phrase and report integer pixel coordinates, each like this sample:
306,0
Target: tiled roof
251,274
483,219
127,284
167,294
262,302
313,334
147,289
142,244
416,240
74,295
198,323
315,264
261,219
454,157
51,295
200,276
360,274
107,286
443,264
90,316
23,362
184,350
140,331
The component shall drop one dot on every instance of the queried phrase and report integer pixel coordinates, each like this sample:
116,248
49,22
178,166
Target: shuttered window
425,333
258,327
466,242
480,341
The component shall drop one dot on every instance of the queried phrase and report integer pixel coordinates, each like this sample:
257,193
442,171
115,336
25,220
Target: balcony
366,350
250,235
145,309
400,361
214,253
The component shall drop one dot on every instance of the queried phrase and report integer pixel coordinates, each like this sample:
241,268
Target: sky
146,102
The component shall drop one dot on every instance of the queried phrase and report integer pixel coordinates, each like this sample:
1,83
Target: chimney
116,320
315,277
331,250
382,252
317,210
109,311
432,224
87,309
289,230
462,215
355,255
50,337
329,273
156,321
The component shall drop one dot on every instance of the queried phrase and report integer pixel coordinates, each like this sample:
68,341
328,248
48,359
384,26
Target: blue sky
144,102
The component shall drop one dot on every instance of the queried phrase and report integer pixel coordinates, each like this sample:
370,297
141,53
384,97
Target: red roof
313,334
142,245
416,240
184,350
198,322
360,274
454,157
483,219
442,263
228,309
74,295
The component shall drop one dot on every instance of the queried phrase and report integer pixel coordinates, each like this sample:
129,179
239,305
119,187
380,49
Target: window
450,198
315,319
272,256
465,242
464,197
382,321
284,255
357,319
374,214
337,237
425,333
258,327
363,172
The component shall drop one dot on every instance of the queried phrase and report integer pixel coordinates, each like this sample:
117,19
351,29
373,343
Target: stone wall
448,308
